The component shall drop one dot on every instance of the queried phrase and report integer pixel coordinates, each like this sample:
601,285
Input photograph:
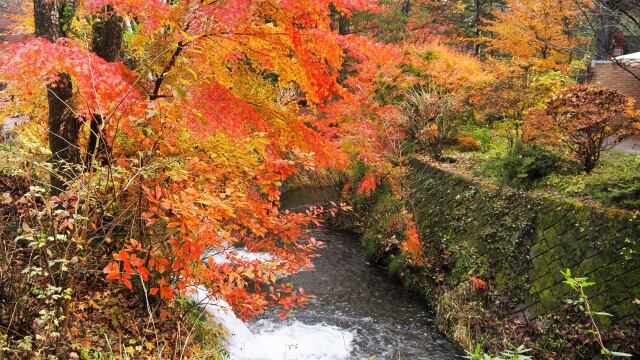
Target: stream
358,312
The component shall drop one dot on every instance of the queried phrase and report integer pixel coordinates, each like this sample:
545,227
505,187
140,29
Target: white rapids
274,340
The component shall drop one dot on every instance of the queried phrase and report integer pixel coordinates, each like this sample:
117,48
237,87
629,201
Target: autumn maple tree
544,32
586,120
159,136
169,129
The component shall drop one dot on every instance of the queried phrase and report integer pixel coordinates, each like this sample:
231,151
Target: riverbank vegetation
156,138
489,259
500,94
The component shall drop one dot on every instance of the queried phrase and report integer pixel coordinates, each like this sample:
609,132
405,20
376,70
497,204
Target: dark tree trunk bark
106,43
477,19
338,22
64,126
406,7
107,37
47,19
343,25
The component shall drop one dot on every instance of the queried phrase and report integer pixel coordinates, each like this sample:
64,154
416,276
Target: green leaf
601,313
621,354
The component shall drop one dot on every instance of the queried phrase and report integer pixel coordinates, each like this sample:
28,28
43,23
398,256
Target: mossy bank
517,243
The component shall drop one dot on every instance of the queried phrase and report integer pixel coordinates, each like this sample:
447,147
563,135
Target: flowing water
358,312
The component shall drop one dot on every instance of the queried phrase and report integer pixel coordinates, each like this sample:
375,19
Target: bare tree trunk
106,43
406,7
47,19
343,25
478,17
107,37
64,127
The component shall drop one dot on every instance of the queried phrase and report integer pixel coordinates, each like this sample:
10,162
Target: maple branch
172,62
628,15
160,79
623,66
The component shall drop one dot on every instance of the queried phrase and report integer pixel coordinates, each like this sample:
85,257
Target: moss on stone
395,266
515,241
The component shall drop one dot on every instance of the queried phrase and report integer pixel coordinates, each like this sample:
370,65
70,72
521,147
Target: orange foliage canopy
225,101
542,31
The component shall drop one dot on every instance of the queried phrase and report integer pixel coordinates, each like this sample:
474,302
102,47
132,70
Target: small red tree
586,120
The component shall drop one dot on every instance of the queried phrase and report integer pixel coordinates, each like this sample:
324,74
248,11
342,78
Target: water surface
358,310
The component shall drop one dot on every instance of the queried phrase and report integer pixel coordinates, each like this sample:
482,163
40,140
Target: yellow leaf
94,305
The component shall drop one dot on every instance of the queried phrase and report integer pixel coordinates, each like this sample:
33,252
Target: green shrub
483,135
523,165
614,182
622,191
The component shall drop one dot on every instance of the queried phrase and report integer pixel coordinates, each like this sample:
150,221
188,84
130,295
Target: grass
615,182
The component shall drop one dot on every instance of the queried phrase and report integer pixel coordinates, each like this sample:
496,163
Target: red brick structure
612,76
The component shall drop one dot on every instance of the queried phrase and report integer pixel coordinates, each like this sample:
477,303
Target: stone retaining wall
521,242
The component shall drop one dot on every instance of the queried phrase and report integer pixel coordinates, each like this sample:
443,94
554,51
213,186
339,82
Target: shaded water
358,311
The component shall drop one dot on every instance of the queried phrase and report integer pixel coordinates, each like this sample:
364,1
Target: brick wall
612,76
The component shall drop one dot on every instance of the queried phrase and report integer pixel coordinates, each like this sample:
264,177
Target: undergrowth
54,300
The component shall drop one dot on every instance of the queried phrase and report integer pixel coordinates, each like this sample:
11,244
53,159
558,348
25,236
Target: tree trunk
106,43
406,7
605,27
478,18
47,19
343,25
107,37
64,126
